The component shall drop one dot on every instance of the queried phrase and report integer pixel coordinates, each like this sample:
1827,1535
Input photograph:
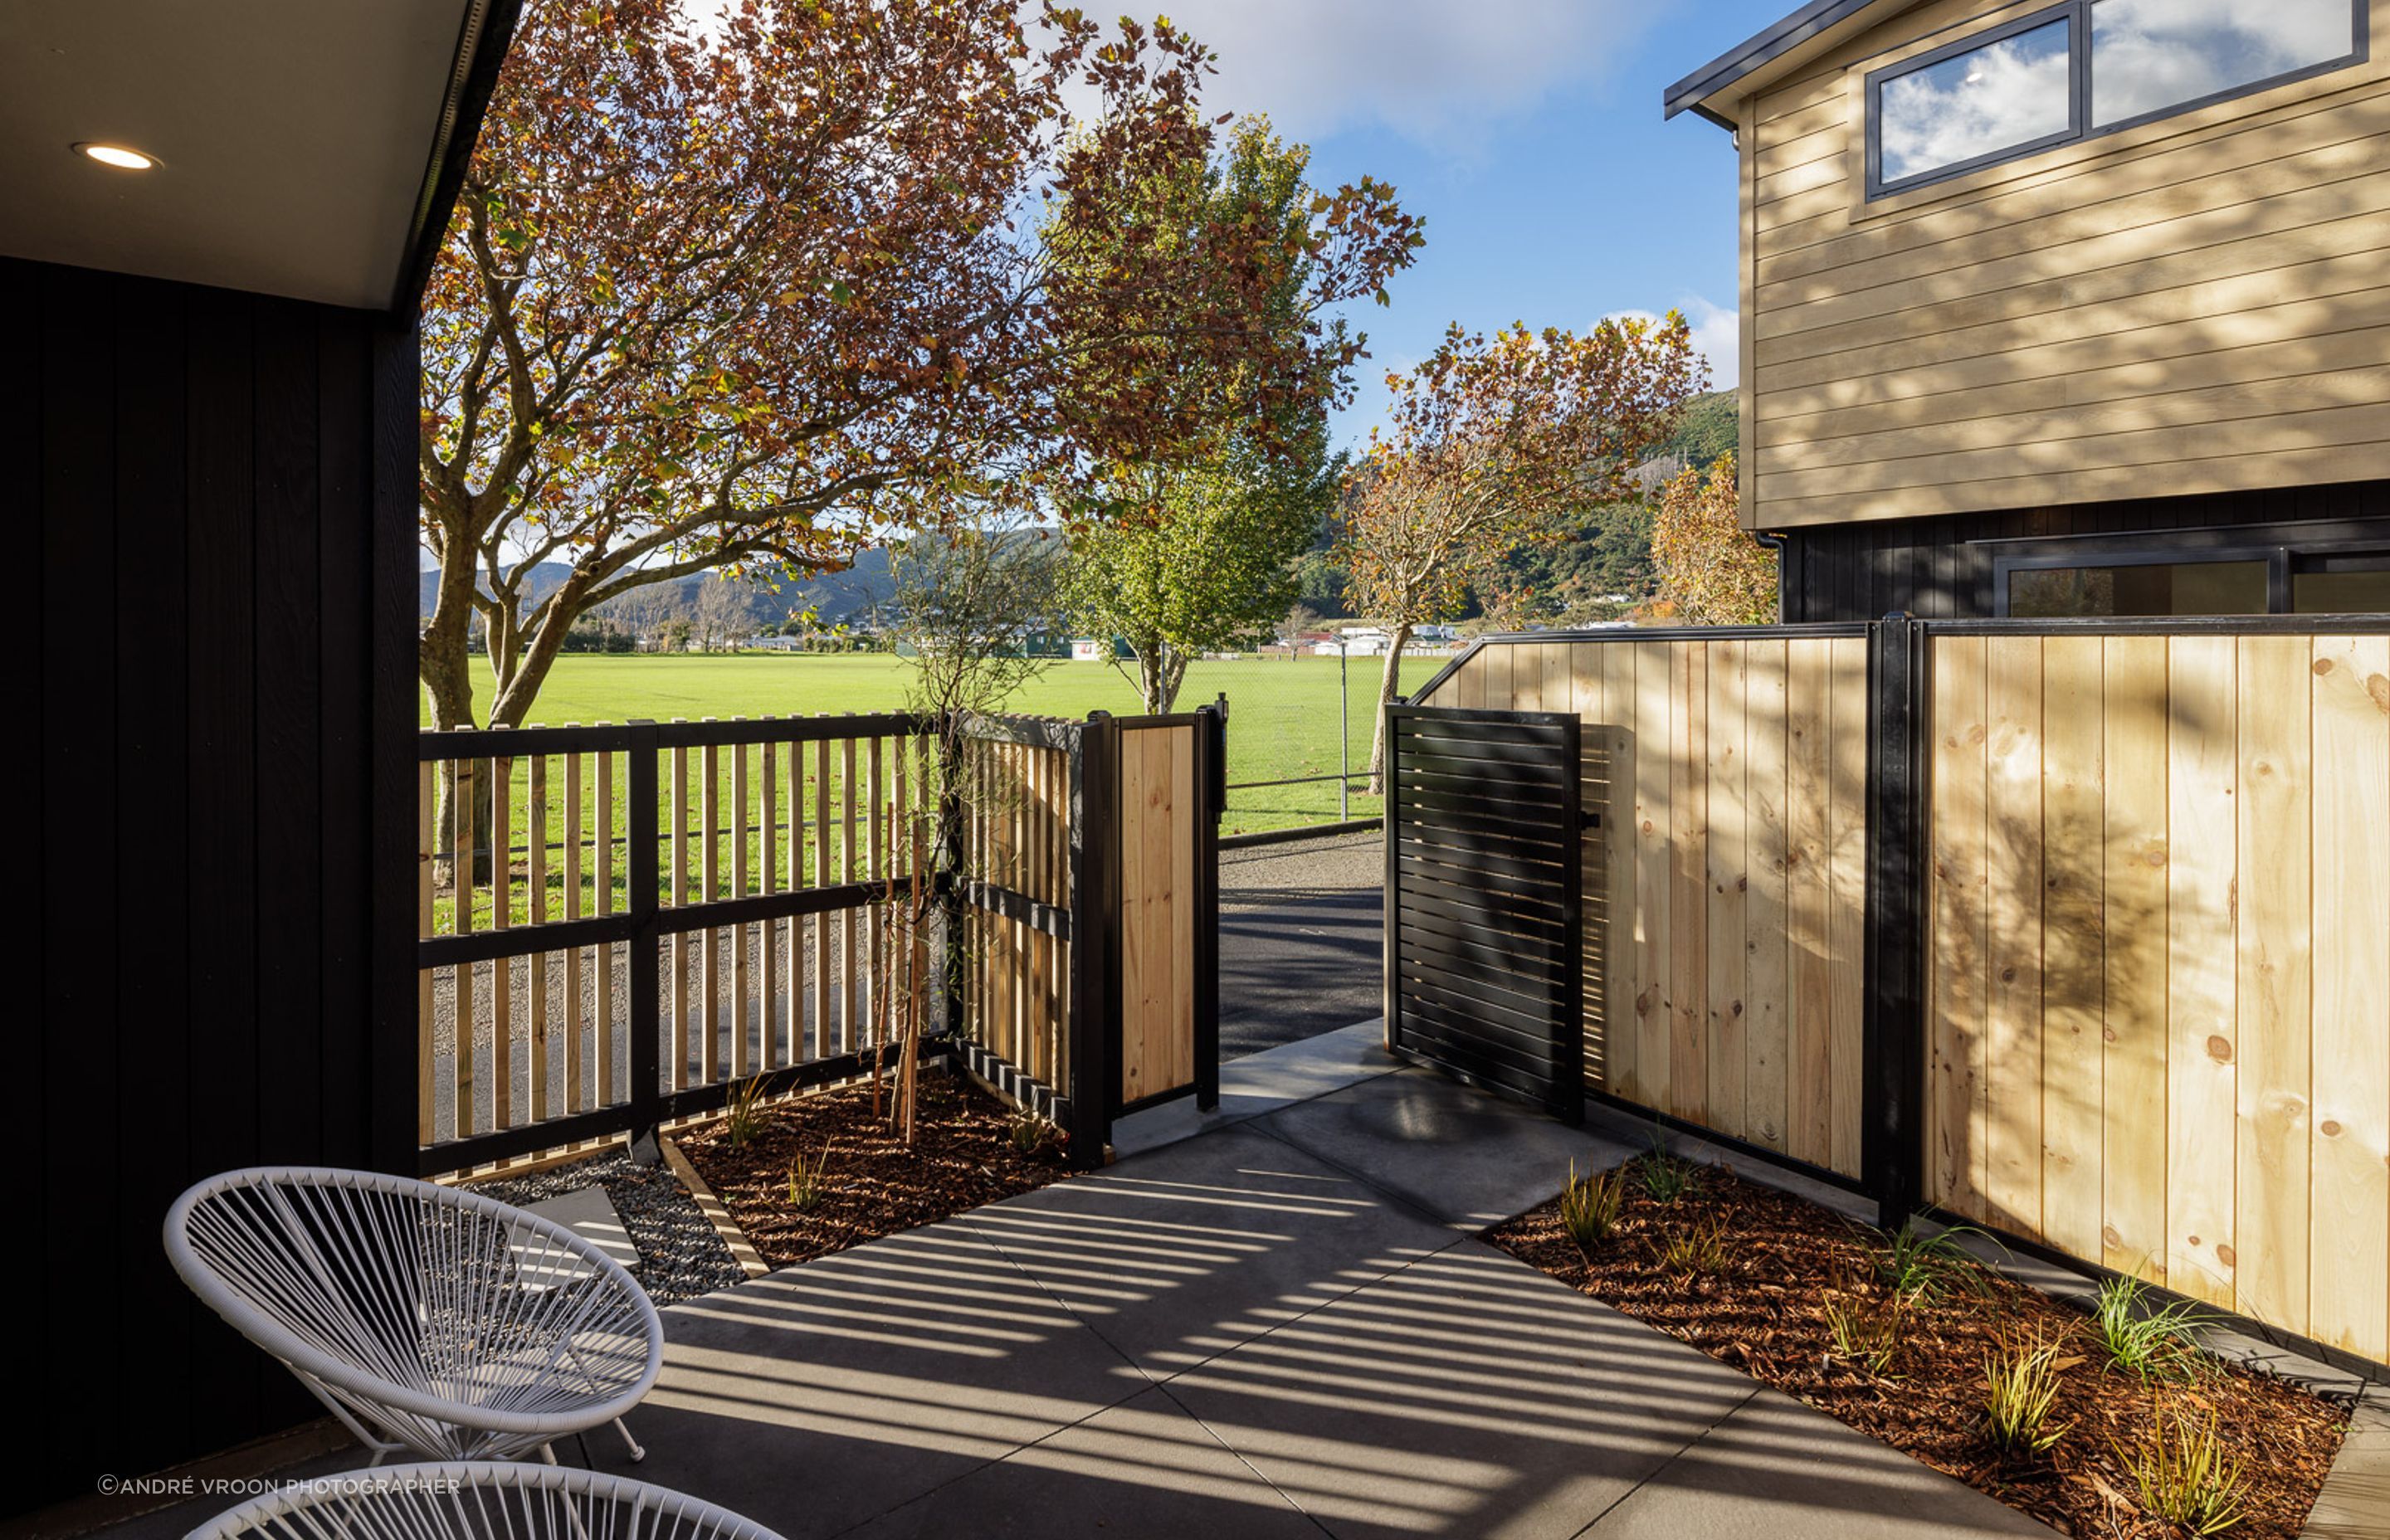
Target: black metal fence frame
1091,925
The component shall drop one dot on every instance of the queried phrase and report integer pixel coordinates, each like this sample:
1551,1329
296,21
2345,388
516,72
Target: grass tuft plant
743,1117
1591,1205
1027,1132
1922,1267
1695,1248
1865,1336
1667,1176
2186,1479
2021,1379
2153,1344
805,1180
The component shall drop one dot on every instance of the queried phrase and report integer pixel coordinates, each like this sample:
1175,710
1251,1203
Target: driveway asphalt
1301,926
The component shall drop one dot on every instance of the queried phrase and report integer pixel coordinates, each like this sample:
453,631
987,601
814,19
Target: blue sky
1527,131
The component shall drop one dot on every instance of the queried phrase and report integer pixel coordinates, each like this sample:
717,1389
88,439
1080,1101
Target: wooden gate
1166,907
1483,899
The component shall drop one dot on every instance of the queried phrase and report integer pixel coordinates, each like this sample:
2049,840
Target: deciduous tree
1194,552
735,297
1712,571
1488,443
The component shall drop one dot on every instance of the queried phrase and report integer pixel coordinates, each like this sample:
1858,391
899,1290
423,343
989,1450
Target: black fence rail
619,923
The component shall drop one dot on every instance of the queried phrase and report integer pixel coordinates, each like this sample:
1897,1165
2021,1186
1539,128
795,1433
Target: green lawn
1282,719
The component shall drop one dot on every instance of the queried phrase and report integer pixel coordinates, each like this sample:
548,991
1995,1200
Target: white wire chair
478,1501
427,1318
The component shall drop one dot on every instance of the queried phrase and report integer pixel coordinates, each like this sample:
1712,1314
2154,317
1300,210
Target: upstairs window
1986,103
2086,68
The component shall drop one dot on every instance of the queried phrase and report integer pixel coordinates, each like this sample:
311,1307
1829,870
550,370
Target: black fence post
1893,1029
1095,936
948,876
643,869
1212,774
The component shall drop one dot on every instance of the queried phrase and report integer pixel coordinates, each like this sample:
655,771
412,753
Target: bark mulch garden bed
1761,1279
968,1148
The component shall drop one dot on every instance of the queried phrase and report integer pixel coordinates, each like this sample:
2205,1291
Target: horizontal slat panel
1429,864
1465,906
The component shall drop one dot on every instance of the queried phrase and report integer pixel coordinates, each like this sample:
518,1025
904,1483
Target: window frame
2284,549
2078,14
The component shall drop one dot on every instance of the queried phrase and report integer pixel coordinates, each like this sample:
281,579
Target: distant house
1371,641
2064,308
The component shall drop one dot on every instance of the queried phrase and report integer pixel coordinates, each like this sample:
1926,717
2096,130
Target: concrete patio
1278,1325
1275,1320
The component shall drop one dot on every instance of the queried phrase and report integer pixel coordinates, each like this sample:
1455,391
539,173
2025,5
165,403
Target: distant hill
1706,430
835,597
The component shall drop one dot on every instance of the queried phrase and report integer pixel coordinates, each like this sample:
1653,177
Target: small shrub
1865,1336
2154,1344
2188,1479
1590,1206
1923,1267
1697,1247
1027,1132
742,1119
805,1180
2020,1389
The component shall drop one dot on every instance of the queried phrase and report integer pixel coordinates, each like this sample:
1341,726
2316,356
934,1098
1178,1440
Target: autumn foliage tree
1487,444
1712,571
733,299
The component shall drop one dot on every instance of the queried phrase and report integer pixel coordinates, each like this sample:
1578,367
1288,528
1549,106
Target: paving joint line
1057,1431
1239,1456
1660,1469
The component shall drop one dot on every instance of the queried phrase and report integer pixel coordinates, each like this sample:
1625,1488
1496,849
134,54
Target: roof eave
1696,91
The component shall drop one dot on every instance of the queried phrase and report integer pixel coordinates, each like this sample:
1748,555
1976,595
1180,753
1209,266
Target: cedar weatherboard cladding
2183,306
201,472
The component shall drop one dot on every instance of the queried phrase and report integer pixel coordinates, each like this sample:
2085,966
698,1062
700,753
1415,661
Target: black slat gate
1483,900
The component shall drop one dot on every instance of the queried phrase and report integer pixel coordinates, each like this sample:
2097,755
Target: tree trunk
1156,679
447,684
1395,641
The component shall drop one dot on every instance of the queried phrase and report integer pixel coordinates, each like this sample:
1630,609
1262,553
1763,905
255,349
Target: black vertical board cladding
79,827
1941,568
153,772
387,506
287,700
219,491
341,581
24,1134
221,669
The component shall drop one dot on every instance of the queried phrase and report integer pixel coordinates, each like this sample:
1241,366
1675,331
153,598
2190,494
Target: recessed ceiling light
118,156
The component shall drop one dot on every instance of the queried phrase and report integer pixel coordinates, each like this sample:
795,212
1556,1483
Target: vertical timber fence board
2185,957
1723,895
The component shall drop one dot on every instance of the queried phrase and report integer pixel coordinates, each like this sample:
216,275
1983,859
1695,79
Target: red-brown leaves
1490,440
721,295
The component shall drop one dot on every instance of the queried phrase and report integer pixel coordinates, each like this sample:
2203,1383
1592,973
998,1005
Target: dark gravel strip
680,1255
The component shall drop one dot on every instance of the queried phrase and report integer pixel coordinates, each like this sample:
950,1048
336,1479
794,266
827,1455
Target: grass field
1283,714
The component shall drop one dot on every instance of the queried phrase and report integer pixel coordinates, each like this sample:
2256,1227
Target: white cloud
1439,73
1717,335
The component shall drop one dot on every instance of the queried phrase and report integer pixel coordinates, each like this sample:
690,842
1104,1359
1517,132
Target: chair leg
637,1454
548,1453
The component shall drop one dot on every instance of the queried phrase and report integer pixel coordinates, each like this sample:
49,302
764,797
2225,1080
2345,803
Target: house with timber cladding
2074,309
